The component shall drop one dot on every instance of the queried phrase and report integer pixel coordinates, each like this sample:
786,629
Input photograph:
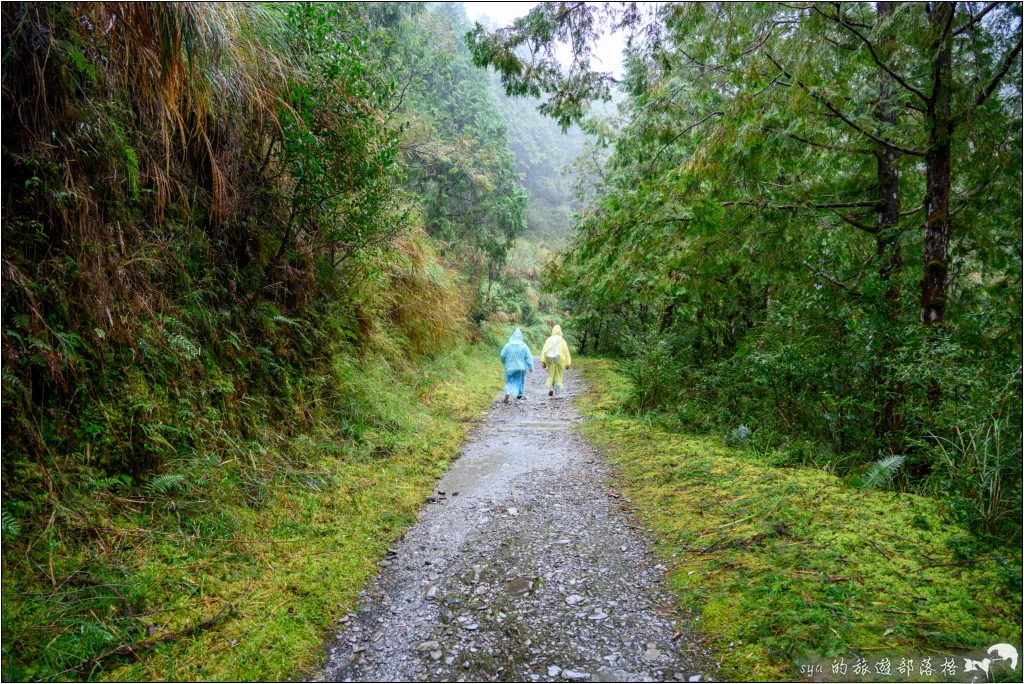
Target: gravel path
523,568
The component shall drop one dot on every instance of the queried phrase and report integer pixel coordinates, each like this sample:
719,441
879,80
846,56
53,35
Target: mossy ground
288,547
788,563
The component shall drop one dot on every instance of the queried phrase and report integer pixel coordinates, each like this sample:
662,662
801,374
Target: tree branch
976,18
831,205
990,88
133,648
856,224
681,134
851,124
835,148
834,281
871,48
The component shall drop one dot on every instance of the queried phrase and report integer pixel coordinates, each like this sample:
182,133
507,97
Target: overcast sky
607,53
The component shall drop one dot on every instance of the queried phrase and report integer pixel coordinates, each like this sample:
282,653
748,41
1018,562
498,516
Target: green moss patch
790,563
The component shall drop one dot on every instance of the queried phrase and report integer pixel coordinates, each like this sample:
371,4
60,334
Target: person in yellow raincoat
555,357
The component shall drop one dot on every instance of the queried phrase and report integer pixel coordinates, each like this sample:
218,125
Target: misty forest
259,261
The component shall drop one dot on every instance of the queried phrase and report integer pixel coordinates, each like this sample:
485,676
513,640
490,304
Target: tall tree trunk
888,175
887,241
667,316
934,284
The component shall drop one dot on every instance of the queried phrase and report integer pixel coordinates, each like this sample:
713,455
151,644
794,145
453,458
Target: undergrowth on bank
786,563
243,248
271,539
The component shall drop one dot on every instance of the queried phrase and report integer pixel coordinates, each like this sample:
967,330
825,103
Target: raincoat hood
517,358
556,358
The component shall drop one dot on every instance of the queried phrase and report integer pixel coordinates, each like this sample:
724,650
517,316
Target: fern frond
184,345
738,436
881,471
9,527
163,485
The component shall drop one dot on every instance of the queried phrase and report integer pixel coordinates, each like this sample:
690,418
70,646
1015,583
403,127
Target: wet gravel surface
525,567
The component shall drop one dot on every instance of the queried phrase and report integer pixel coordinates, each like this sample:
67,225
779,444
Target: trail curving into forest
526,568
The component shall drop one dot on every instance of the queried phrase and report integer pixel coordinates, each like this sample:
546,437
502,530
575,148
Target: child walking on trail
555,357
518,359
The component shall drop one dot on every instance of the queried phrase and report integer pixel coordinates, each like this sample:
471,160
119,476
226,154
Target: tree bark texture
934,283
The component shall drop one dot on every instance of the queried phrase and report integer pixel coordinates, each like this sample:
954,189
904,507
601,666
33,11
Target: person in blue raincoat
518,359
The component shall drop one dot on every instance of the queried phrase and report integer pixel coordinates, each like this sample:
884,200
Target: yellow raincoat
555,357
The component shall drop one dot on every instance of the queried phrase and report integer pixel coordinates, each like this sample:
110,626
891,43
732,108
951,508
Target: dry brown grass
426,303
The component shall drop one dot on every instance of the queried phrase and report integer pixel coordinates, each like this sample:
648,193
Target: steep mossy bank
779,564
274,539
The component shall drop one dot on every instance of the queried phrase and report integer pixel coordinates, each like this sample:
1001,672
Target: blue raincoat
518,359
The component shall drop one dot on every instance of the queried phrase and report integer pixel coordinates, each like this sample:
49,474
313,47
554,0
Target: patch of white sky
607,52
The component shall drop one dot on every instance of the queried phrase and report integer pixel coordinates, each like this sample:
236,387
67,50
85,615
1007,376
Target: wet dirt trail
524,567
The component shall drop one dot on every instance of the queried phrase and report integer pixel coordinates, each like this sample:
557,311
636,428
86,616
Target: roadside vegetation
246,253
775,564
257,549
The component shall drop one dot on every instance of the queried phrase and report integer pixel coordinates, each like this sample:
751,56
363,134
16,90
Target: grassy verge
274,547
786,563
